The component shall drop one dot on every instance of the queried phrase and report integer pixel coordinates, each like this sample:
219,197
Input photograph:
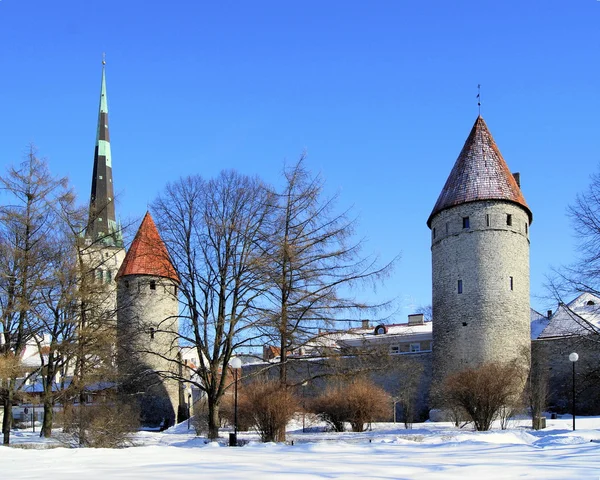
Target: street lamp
573,358
236,364
188,408
304,384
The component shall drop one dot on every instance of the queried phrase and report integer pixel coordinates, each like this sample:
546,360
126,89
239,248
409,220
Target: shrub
269,406
331,408
359,402
485,392
109,423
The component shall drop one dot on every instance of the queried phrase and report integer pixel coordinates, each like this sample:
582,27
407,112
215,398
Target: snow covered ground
428,451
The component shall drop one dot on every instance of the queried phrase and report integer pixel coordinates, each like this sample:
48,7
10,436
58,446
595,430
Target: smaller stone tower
147,326
480,262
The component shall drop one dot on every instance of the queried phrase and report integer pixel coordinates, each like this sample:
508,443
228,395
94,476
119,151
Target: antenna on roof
479,98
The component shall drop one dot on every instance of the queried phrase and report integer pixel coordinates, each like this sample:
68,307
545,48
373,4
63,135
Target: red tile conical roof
147,254
480,173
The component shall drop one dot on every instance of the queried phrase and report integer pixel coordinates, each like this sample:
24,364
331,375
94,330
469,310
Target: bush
269,407
109,423
359,403
484,393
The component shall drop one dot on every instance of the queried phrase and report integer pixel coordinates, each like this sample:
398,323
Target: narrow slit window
152,284
466,223
512,283
434,232
152,332
487,220
509,220
460,286
526,228
447,227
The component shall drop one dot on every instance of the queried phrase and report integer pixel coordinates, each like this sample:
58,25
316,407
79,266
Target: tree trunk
8,416
213,420
48,418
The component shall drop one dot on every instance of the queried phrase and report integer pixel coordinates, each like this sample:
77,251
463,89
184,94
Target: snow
428,451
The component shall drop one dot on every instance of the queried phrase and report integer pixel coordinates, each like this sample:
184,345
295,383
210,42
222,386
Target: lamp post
573,358
304,384
236,364
188,408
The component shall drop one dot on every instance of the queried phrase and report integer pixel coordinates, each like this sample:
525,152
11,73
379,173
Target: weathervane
479,98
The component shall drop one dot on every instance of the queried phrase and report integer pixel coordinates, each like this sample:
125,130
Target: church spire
102,225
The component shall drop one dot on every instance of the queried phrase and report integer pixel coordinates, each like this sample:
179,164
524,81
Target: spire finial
103,58
479,98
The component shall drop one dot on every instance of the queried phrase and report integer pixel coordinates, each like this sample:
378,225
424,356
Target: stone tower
102,245
147,325
480,262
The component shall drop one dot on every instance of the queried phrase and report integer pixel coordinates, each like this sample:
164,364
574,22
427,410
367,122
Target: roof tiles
148,254
480,173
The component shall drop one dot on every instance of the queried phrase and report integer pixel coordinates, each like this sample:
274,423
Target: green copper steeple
102,225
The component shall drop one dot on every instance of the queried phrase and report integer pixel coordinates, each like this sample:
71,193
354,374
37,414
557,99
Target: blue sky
380,94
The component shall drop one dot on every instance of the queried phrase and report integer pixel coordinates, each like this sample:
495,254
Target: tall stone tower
147,325
102,246
480,258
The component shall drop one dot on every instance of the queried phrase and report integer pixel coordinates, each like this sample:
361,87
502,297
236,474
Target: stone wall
551,358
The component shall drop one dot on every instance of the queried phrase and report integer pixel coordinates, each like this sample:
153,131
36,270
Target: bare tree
27,219
213,231
314,265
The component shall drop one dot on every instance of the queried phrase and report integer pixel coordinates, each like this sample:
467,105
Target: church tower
147,325
102,245
480,262
104,250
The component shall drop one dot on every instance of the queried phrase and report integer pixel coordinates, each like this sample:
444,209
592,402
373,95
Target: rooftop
480,173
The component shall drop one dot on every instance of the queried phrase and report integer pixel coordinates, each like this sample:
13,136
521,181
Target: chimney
365,324
517,177
416,319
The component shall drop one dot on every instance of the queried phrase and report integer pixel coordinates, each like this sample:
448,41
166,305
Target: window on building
152,284
415,347
526,228
512,283
487,220
99,275
175,290
152,332
466,223
127,284
447,227
434,232
460,286
509,219
108,276
394,349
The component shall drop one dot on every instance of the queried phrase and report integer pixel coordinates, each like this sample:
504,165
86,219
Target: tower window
127,284
434,232
466,223
175,290
447,227
108,276
487,220
512,283
526,228
509,219
460,286
152,284
152,332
